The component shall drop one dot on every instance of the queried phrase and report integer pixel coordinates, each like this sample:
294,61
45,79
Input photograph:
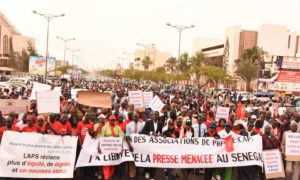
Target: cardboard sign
147,98
292,146
273,164
222,112
14,105
37,87
48,102
156,104
136,98
94,99
74,93
34,155
110,145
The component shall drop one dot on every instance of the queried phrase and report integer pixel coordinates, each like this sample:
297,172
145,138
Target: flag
229,144
241,111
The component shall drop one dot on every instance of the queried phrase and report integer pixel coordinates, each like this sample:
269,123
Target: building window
5,45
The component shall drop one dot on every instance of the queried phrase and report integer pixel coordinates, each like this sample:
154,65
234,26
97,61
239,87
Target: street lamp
73,54
65,40
180,28
48,17
145,46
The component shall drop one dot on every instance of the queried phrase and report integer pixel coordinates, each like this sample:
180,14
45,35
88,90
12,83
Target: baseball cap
213,125
228,124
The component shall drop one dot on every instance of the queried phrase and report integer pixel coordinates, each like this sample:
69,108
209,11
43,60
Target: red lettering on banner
194,159
158,158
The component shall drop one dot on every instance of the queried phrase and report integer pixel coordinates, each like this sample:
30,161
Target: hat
237,122
101,116
112,117
253,116
213,125
31,117
228,124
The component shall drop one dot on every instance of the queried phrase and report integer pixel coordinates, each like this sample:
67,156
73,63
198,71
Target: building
280,44
158,58
11,40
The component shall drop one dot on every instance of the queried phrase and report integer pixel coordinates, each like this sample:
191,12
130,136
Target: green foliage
64,69
248,65
171,64
146,62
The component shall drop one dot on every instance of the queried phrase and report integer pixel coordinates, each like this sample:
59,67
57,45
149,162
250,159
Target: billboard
37,65
291,63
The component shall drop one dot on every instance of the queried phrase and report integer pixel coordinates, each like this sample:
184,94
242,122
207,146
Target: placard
273,164
74,93
110,145
222,112
156,104
48,102
136,98
94,99
14,105
147,98
292,146
37,87
33,155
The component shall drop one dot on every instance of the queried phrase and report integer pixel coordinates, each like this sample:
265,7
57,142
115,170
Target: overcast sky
105,29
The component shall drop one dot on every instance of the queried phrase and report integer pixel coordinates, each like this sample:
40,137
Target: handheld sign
136,98
273,164
292,147
156,104
13,105
94,99
37,87
48,102
222,112
147,98
110,145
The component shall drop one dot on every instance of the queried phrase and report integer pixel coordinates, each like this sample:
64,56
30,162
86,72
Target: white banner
14,105
48,102
31,155
147,97
149,151
89,155
156,104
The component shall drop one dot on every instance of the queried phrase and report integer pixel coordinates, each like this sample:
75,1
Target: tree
64,69
25,55
248,65
184,67
171,64
146,62
216,74
197,63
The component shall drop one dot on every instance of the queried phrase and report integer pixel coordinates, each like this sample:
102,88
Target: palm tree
146,62
171,64
248,65
196,65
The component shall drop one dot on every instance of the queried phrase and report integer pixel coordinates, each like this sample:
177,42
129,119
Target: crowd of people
188,112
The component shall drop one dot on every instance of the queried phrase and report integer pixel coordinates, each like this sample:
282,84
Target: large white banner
149,151
31,155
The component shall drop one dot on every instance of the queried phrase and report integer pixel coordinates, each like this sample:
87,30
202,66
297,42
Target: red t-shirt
219,128
32,129
127,121
56,126
16,121
66,128
122,126
4,128
83,128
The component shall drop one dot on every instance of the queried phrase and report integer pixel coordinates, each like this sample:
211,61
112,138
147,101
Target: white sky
105,29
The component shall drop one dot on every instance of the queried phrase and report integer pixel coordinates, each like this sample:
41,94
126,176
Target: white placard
156,104
33,155
38,87
147,97
136,98
48,102
222,112
292,146
14,105
273,164
110,145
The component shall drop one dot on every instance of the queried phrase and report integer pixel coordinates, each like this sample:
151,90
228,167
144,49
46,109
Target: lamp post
48,17
129,55
179,28
65,40
73,54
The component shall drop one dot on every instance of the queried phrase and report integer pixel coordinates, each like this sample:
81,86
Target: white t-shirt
281,111
223,134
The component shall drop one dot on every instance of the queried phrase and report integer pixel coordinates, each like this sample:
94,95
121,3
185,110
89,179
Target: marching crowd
188,112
